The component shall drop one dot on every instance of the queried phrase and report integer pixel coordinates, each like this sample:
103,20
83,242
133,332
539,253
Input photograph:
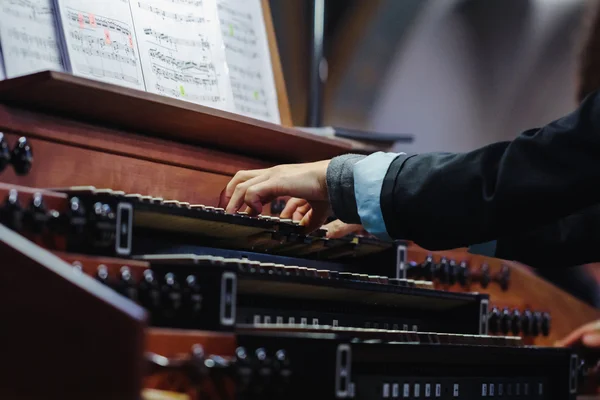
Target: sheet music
249,59
181,50
100,42
28,37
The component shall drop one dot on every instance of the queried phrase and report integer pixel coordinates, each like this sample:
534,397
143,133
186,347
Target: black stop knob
171,295
22,156
494,320
11,212
505,321
515,326
149,292
526,320
4,152
452,272
504,277
485,276
103,276
443,271
126,284
463,273
536,322
36,216
428,268
192,296
413,271
545,324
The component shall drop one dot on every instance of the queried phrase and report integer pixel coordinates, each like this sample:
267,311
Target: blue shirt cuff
369,174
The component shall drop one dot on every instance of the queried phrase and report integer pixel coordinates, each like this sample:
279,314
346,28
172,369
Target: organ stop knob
22,156
463,273
494,320
4,152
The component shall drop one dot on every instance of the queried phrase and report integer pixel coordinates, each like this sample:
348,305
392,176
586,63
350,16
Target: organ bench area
121,278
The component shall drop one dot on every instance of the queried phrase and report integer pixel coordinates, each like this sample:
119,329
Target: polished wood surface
58,165
154,115
55,336
526,291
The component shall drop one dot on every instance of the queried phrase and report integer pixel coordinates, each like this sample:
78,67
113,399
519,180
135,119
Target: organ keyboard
114,245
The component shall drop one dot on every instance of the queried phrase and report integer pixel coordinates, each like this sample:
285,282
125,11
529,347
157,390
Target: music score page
28,37
99,41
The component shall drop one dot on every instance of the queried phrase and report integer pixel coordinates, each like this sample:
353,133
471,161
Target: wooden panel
526,291
282,97
68,336
61,165
150,114
114,141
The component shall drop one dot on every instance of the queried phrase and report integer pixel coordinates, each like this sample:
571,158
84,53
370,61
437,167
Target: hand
337,229
588,335
301,210
256,188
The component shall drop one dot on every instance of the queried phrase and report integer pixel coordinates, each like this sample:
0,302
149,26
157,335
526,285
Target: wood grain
60,165
116,141
526,291
154,115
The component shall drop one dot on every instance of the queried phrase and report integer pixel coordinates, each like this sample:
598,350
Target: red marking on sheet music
107,36
93,20
130,41
80,20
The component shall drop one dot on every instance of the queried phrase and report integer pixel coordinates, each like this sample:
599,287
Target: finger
315,217
301,212
591,339
338,229
237,198
577,334
239,177
291,206
261,193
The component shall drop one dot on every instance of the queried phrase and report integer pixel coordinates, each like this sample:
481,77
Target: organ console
123,275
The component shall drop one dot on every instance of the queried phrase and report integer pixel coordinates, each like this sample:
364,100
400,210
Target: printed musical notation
100,42
173,41
28,37
172,15
180,52
248,58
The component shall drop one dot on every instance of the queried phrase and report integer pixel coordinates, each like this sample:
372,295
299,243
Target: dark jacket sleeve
449,200
571,241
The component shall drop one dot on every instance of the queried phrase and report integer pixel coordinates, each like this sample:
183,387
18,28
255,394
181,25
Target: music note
28,37
180,52
100,41
248,59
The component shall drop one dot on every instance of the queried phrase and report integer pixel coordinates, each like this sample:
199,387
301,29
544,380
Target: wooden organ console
120,274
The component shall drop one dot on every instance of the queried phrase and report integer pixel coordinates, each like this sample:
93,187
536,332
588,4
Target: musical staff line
163,37
171,15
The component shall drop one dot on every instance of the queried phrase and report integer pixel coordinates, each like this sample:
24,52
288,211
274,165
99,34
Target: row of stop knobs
448,272
526,323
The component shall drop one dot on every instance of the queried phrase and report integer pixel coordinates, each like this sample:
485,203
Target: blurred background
457,74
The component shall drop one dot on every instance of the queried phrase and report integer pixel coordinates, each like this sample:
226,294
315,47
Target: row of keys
436,390
275,269
91,190
393,336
